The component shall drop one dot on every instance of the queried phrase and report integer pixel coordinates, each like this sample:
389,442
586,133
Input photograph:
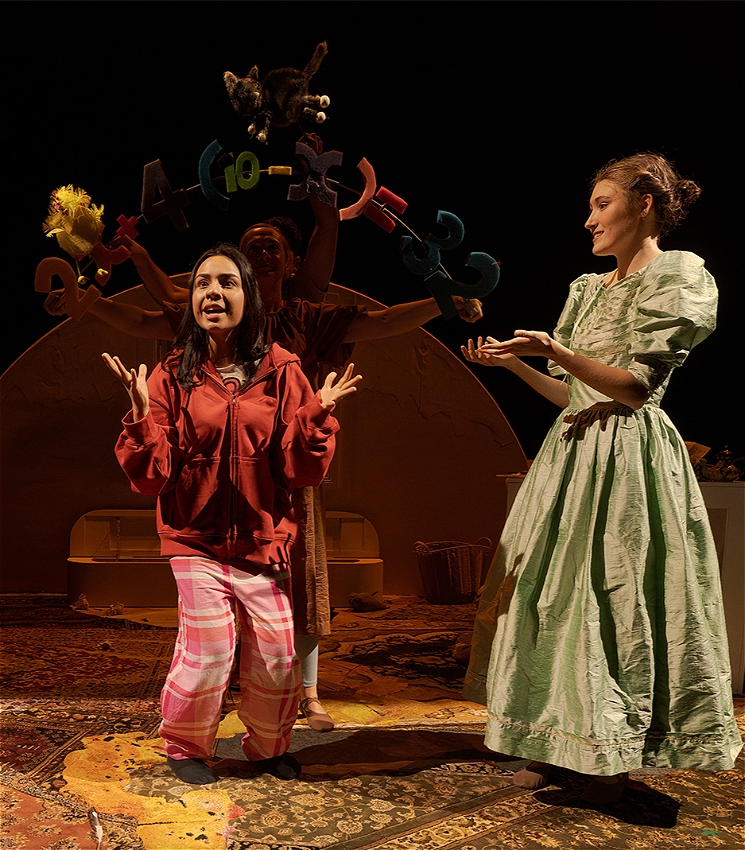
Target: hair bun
651,173
687,191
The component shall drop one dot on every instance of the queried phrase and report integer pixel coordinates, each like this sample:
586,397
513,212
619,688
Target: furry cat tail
315,60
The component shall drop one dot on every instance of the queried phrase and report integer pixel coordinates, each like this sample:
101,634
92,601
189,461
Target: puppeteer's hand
481,353
320,208
135,383
135,249
54,303
314,142
331,393
469,309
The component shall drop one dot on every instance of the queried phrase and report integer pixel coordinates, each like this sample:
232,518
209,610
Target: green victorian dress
600,642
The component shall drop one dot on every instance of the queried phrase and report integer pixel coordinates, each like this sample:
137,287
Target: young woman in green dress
600,644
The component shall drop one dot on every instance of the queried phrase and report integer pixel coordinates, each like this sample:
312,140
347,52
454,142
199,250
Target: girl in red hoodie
222,432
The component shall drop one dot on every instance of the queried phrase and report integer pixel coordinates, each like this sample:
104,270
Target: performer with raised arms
223,432
321,335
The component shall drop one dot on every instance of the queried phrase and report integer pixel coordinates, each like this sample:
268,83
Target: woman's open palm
331,393
135,383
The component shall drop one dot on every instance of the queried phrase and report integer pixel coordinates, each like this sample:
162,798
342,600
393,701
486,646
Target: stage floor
405,768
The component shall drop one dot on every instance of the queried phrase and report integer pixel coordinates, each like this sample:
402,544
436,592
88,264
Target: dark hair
651,174
289,230
286,226
190,348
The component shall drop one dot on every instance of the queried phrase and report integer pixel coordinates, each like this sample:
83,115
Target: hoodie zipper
232,409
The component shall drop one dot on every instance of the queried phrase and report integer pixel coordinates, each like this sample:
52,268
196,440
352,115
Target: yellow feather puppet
74,221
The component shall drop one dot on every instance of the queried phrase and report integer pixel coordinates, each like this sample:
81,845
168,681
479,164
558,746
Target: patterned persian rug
406,767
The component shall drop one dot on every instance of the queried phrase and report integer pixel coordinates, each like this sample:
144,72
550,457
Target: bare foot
533,776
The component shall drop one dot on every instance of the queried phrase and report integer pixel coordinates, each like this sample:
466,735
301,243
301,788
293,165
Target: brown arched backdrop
420,452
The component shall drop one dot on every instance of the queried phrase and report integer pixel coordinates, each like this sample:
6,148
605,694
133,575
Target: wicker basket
451,571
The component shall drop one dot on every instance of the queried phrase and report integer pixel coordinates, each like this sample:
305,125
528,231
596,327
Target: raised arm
148,448
155,280
128,318
399,319
307,442
134,382
311,281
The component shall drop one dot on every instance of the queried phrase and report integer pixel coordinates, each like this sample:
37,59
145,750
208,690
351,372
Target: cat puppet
279,99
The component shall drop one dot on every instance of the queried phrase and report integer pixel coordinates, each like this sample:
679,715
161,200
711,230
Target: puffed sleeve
676,310
565,325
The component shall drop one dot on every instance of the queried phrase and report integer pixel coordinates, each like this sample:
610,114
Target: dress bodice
647,322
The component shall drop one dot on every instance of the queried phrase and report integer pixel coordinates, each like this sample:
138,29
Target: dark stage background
497,112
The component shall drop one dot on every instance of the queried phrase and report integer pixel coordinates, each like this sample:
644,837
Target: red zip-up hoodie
223,464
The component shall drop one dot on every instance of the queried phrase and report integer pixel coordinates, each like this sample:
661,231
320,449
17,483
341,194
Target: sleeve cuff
144,431
650,374
318,417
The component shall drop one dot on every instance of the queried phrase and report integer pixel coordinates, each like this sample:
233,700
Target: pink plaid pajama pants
192,697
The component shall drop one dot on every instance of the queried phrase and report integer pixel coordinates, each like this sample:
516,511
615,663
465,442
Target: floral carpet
405,768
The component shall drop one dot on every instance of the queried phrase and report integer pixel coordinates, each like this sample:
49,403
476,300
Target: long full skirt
600,642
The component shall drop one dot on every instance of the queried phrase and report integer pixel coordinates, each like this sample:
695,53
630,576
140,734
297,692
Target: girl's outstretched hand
331,393
482,353
135,383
